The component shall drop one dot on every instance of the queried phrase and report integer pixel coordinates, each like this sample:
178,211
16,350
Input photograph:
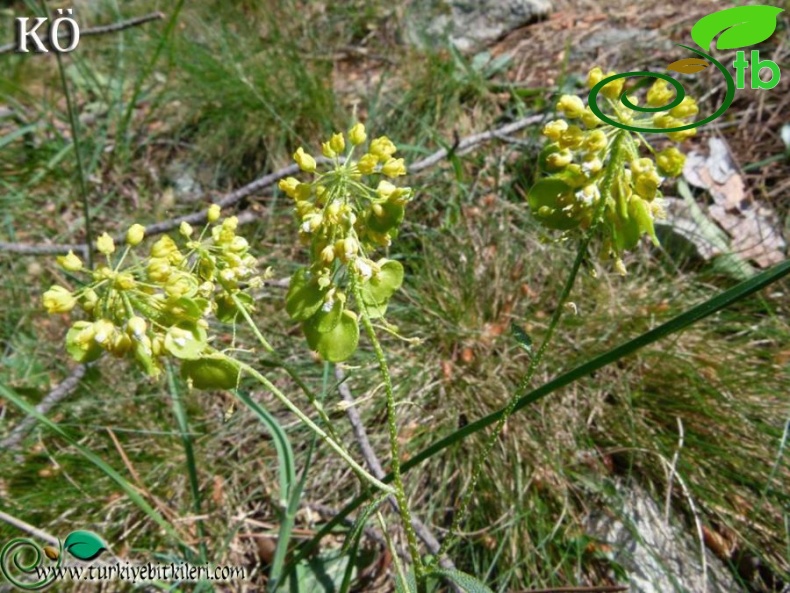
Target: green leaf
84,545
391,216
190,309
465,581
186,341
740,26
326,321
323,573
547,198
339,343
381,286
211,372
304,297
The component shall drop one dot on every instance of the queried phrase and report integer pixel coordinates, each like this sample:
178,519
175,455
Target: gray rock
469,24
660,557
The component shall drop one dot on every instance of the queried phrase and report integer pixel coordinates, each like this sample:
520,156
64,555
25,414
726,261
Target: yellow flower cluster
159,304
344,214
583,165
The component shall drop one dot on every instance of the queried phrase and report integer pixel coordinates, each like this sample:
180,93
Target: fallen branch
465,145
21,430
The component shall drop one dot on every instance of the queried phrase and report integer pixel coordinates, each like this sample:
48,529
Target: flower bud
554,129
58,300
394,168
367,164
594,77
136,326
357,134
385,189
337,143
572,138
288,186
659,94
571,105
589,119
305,161
671,161
164,247
70,262
135,235
185,229
103,332
686,108
595,141
213,213
382,147
327,151
105,244
614,89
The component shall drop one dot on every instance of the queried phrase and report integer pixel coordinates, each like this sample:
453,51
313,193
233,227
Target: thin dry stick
465,145
54,397
377,470
29,529
100,30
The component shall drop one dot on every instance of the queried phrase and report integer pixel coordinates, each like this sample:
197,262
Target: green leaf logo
84,545
740,26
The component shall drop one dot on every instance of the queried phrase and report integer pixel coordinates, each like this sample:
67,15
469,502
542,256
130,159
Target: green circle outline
728,98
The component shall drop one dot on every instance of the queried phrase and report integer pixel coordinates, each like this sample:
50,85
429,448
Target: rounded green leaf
187,308
547,200
186,341
304,297
211,372
84,545
339,343
740,26
391,216
325,321
380,287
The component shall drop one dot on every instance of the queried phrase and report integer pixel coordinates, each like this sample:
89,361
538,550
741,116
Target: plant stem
613,166
400,492
316,429
288,369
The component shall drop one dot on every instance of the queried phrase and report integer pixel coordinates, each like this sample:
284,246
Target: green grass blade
285,454
130,490
728,297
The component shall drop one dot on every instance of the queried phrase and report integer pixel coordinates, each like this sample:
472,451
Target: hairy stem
400,492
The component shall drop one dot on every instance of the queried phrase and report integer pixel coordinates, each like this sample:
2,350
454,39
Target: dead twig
463,146
54,397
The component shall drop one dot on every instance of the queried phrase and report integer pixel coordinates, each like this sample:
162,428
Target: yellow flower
164,247
595,141
288,186
554,129
671,161
686,108
337,143
214,212
393,168
659,93
560,159
58,300
70,262
614,88
572,137
594,77
185,229
105,244
357,134
589,119
385,189
136,326
571,106
382,147
103,331
367,164
305,161
326,150
135,234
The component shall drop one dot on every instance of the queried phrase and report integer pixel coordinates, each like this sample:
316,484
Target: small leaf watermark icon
688,65
84,545
740,26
